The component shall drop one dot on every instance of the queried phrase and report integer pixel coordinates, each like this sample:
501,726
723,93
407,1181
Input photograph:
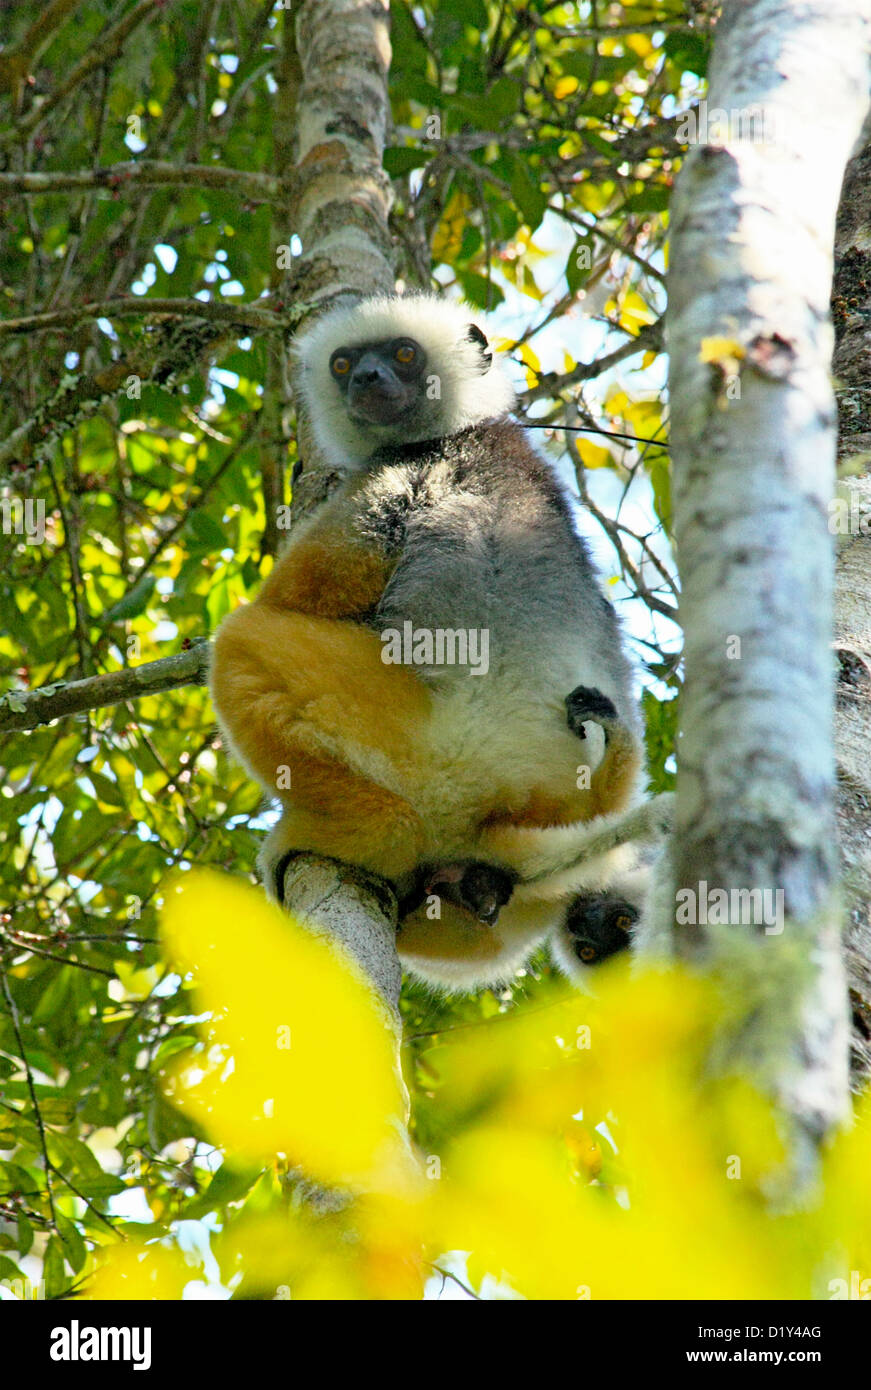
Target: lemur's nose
369,371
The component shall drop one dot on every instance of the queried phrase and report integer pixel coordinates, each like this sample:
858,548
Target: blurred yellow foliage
140,1271
296,1058
587,1152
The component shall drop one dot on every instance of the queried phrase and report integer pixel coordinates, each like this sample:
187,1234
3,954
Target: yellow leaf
639,44
529,357
448,235
725,353
593,455
138,983
616,401
564,86
634,313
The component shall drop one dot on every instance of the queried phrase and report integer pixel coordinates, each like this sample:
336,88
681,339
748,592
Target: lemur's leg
338,814
456,952
598,925
283,682
613,781
312,711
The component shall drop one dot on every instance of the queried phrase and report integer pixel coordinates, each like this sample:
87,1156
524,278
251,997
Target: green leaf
228,1185
75,1250
409,50
401,159
480,291
132,604
689,50
53,1273
14,1178
208,531
25,1234
530,198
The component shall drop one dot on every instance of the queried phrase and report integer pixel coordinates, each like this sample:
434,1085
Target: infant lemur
431,664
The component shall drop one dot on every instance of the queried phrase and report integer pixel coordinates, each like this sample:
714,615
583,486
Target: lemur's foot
585,702
481,889
384,892
277,871
599,926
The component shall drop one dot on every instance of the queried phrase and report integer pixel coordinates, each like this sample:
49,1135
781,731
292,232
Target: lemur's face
380,382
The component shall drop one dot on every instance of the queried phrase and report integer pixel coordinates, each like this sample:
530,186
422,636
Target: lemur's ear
474,335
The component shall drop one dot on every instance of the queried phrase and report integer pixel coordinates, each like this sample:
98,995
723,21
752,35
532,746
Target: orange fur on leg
334,812
273,672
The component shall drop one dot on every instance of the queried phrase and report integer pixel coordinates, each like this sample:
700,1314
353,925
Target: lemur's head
394,370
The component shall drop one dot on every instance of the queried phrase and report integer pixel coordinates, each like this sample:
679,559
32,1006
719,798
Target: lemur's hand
586,703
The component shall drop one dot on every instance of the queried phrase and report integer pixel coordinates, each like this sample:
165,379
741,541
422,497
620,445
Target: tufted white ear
464,384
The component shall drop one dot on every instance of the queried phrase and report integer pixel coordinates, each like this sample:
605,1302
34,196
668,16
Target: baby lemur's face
381,382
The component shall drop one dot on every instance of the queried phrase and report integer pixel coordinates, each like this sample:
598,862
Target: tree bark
851,312
339,202
28,709
753,449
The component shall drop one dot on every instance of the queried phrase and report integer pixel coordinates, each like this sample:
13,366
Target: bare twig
41,31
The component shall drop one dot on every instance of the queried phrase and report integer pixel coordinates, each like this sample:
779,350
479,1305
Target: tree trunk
753,448
339,202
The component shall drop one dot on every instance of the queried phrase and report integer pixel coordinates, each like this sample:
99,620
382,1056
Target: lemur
463,785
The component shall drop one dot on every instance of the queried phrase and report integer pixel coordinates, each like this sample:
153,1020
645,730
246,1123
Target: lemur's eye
405,354
587,954
340,366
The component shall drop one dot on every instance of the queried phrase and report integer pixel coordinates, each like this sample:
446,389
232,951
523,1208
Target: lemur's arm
539,852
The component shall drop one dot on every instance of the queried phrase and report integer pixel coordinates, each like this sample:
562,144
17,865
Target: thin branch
95,1211
27,709
28,947
613,529
549,384
31,1087
41,31
144,173
242,315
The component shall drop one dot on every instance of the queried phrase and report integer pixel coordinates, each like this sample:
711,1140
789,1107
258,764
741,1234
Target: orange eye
587,953
340,366
405,354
